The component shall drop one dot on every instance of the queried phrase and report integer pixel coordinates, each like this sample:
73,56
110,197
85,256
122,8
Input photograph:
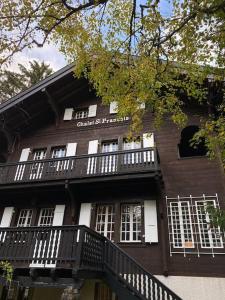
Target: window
132,158
130,145
130,223
46,217
109,146
210,236
25,218
181,224
105,220
58,152
80,114
37,168
190,225
58,165
185,147
108,163
39,154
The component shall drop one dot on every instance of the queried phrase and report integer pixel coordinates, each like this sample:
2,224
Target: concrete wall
196,288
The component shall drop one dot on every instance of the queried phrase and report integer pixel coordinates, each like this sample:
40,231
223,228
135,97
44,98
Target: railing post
80,237
155,158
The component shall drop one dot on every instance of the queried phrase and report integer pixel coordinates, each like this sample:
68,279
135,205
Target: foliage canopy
14,82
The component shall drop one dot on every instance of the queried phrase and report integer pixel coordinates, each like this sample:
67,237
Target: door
132,158
37,167
108,163
42,237
58,165
47,241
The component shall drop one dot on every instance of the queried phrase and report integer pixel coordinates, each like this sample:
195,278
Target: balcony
82,250
140,161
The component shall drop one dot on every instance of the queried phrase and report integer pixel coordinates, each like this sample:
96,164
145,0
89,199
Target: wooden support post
117,224
20,293
163,227
53,105
8,135
78,262
73,203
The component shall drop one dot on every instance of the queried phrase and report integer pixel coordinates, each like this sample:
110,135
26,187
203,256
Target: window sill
135,244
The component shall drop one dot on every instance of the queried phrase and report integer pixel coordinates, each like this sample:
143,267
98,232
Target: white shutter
68,114
58,215
150,218
92,161
7,216
93,147
24,154
20,168
85,214
92,110
113,109
148,142
71,149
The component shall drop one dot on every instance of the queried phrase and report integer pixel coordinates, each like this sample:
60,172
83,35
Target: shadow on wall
3,148
185,147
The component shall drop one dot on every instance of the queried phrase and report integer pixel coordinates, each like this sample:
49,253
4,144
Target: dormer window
80,114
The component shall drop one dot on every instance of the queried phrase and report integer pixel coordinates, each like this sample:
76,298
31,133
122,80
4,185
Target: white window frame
107,220
109,162
46,213
132,158
37,167
27,215
81,114
181,227
58,152
202,233
131,217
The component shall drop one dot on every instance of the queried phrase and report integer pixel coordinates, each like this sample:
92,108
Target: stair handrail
157,291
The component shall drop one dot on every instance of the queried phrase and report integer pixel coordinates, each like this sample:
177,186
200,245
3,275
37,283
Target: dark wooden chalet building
86,213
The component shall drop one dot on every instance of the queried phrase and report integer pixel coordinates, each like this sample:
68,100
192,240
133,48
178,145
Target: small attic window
185,147
80,114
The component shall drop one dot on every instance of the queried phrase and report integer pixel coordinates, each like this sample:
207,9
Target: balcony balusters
103,164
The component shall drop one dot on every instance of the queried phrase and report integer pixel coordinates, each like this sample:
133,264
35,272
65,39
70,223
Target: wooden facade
65,162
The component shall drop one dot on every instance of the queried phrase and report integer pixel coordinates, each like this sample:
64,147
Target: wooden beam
73,204
8,135
54,106
77,90
26,116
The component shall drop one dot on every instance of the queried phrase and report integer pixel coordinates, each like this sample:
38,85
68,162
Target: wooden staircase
83,252
122,273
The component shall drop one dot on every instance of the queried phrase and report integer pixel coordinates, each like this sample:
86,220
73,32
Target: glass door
37,167
109,162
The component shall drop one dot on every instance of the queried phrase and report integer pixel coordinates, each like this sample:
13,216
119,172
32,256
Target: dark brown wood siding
190,176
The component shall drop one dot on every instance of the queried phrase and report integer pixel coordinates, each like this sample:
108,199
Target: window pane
105,220
130,222
81,114
46,217
210,236
25,217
